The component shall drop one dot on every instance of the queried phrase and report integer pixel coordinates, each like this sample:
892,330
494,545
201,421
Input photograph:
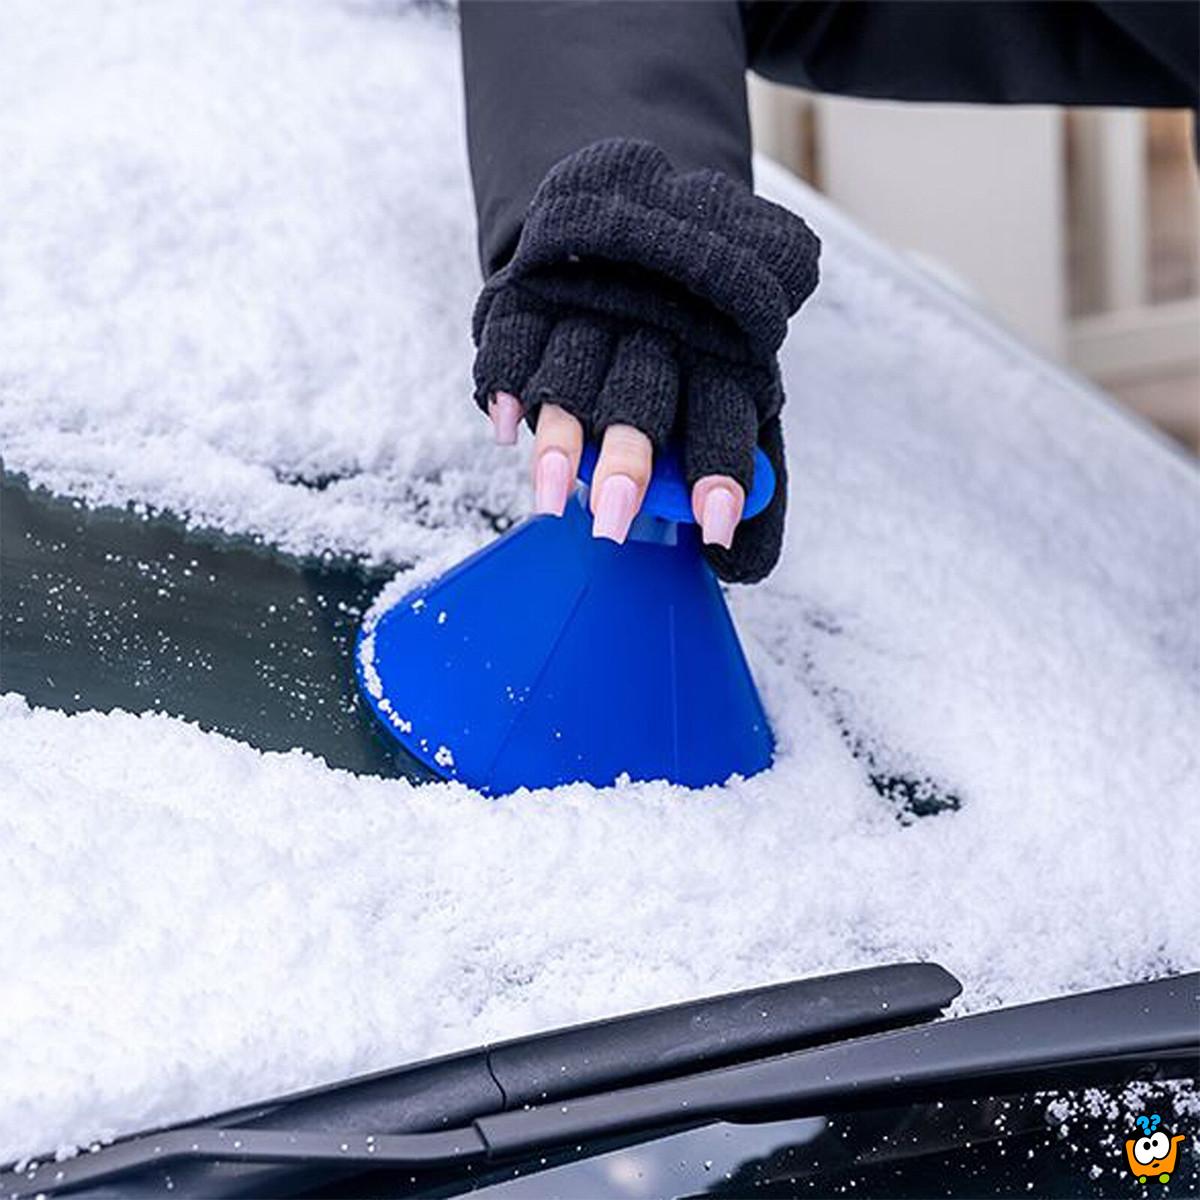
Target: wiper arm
1088,1038
310,1128
1101,1036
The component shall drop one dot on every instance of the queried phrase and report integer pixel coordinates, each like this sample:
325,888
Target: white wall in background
979,191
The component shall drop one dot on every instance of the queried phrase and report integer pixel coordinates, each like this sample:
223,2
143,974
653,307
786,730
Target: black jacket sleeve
545,78
1144,53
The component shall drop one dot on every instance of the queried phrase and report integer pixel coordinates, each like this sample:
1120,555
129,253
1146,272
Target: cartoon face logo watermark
1152,1156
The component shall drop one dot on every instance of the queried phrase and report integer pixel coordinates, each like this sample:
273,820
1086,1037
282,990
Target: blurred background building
1079,228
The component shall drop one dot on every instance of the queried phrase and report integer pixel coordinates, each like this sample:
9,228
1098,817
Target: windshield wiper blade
1087,1038
247,1146
310,1129
1100,1036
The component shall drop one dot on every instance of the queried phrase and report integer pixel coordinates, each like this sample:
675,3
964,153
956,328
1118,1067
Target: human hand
621,476
642,305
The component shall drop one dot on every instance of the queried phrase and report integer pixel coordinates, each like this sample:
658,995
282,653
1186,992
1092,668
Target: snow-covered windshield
236,269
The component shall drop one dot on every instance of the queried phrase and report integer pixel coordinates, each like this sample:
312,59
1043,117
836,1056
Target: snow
238,253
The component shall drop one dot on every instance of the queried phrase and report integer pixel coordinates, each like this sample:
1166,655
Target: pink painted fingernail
551,482
505,411
720,517
614,508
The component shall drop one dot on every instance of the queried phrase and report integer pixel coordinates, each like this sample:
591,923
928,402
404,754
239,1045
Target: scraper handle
668,496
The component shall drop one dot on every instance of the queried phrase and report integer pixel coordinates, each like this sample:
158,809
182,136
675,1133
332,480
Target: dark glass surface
109,608
997,1147
103,608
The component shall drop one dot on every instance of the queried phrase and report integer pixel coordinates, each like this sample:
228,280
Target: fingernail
614,508
719,518
505,411
551,482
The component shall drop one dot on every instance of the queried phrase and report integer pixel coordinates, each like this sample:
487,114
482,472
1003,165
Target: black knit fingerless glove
642,296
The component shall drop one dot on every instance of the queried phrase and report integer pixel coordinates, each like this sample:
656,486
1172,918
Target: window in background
1078,228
